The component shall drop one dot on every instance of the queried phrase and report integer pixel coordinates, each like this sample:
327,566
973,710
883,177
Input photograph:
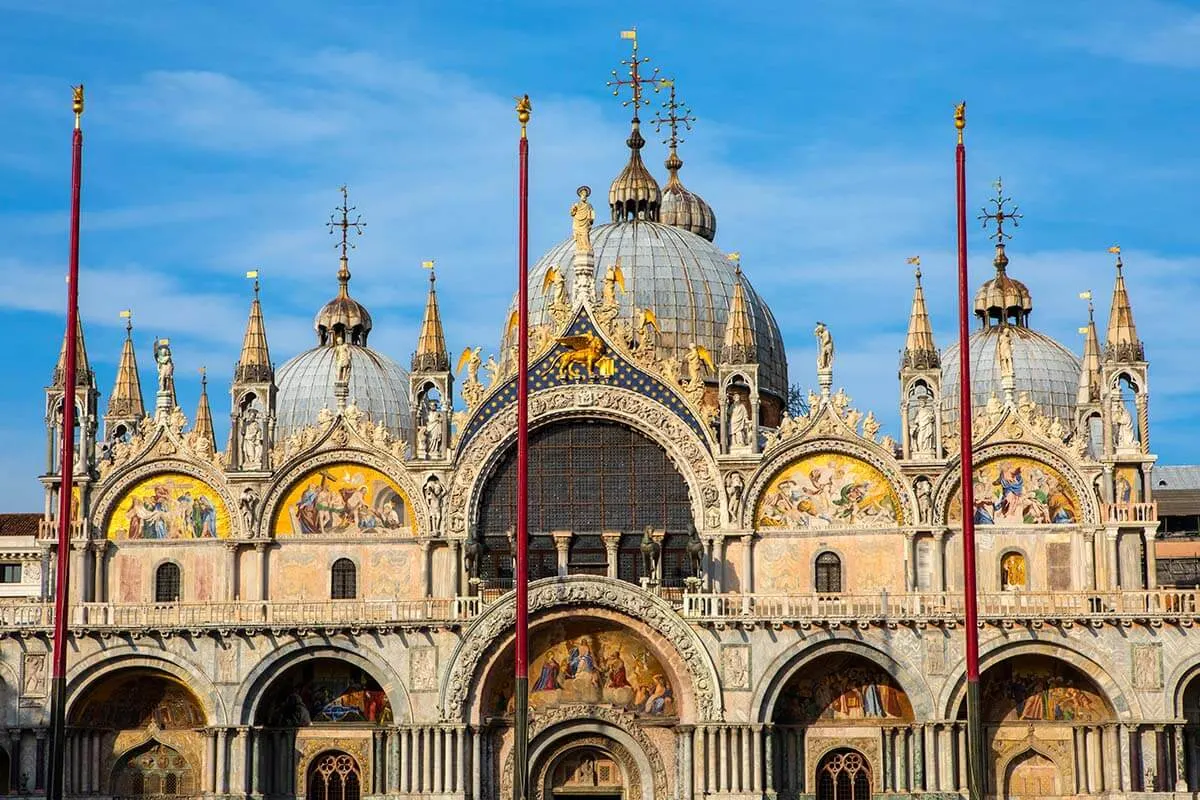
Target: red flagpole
58,678
975,754
521,579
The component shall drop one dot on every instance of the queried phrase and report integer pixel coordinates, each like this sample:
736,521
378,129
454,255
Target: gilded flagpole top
77,102
960,119
524,109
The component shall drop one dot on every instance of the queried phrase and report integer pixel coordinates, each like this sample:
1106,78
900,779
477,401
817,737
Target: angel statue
614,279
493,369
698,361
824,347
583,215
554,285
471,360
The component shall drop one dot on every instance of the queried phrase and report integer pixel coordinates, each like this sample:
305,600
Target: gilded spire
1121,343
126,399
680,207
1089,375
254,362
203,429
739,346
431,353
83,373
920,351
634,194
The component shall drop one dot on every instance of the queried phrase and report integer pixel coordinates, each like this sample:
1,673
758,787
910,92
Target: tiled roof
19,524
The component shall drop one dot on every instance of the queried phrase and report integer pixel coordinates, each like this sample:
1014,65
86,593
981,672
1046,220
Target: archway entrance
154,770
590,772
1031,775
334,775
844,775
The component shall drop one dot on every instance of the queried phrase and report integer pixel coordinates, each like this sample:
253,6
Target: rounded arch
804,653
389,468
167,581
1116,690
1077,480
90,671
9,686
1177,683
685,448
259,680
106,504
793,451
647,614
1005,767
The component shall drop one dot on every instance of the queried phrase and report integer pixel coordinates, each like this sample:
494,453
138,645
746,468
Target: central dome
378,386
683,278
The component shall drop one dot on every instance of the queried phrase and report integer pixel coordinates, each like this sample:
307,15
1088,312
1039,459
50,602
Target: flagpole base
55,761
976,752
521,741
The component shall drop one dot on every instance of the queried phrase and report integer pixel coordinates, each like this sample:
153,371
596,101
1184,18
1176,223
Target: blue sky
218,133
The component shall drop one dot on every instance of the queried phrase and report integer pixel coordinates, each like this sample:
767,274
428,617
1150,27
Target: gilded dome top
684,279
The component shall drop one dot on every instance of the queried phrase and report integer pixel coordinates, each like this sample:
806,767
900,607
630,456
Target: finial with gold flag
252,275
736,257
915,261
1116,251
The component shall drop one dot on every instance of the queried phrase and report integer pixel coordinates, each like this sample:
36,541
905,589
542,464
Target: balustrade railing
1129,512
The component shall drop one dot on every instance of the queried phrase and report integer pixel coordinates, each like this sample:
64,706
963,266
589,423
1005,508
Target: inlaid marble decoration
341,499
828,490
1018,491
169,506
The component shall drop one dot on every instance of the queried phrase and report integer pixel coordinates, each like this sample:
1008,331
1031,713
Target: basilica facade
738,591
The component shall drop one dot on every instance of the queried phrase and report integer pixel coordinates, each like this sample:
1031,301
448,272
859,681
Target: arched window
344,583
334,776
154,770
829,573
1012,572
844,775
167,580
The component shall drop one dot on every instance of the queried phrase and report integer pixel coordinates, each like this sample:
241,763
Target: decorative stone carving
34,679
653,611
422,669
434,492
1146,660
735,666
735,487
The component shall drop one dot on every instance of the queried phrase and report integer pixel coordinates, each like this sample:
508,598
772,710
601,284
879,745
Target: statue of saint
341,357
252,439
434,492
735,485
1004,352
824,347
584,216
1126,437
166,367
740,429
433,431
926,422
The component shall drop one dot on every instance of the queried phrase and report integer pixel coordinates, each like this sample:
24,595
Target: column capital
562,539
611,539
261,546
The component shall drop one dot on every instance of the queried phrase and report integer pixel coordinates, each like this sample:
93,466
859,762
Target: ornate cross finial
345,225
635,77
677,114
1000,215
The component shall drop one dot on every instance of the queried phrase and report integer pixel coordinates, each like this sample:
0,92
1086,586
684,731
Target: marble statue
741,431
735,486
924,432
924,500
870,427
824,347
341,357
166,366
252,439
1123,422
434,493
1004,352
248,505
432,431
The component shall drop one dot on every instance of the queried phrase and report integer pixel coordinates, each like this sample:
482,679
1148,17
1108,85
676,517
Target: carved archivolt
579,590
686,449
629,771
387,464
947,484
111,491
791,451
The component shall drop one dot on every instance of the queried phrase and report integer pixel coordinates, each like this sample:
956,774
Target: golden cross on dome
635,76
677,114
345,225
1000,215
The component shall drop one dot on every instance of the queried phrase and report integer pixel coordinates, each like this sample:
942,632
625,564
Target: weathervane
677,114
635,77
1000,216
915,263
345,225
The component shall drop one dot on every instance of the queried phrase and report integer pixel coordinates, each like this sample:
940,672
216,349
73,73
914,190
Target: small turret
737,374
126,408
203,429
252,395
920,380
431,383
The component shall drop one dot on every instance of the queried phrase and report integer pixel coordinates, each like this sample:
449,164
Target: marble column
910,562
918,757
612,540
1113,558
961,762
260,549
254,746
562,549
747,582
1151,560
1180,761
231,581
14,759
1089,560
885,758
393,761
98,548
210,765
477,764
710,561
939,561
222,777
427,561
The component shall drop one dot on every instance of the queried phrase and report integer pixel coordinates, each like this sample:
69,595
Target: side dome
687,210
1042,367
378,386
684,279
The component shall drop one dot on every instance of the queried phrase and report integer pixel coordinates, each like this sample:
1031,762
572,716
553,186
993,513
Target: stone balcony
1136,513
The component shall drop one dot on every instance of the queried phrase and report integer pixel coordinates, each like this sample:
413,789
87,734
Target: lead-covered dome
378,386
1042,368
684,279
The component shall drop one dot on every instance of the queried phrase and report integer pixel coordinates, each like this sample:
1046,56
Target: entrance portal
1031,775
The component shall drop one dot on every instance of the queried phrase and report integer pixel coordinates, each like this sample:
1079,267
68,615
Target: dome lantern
634,194
679,207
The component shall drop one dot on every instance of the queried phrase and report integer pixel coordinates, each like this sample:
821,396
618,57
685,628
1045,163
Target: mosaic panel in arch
343,498
543,374
843,689
828,490
592,662
135,700
324,691
1018,491
169,506
1128,484
1040,689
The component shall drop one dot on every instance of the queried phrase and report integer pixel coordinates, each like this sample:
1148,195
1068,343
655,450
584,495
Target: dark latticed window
344,580
844,775
334,776
154,770
587,477
167,580
829,573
